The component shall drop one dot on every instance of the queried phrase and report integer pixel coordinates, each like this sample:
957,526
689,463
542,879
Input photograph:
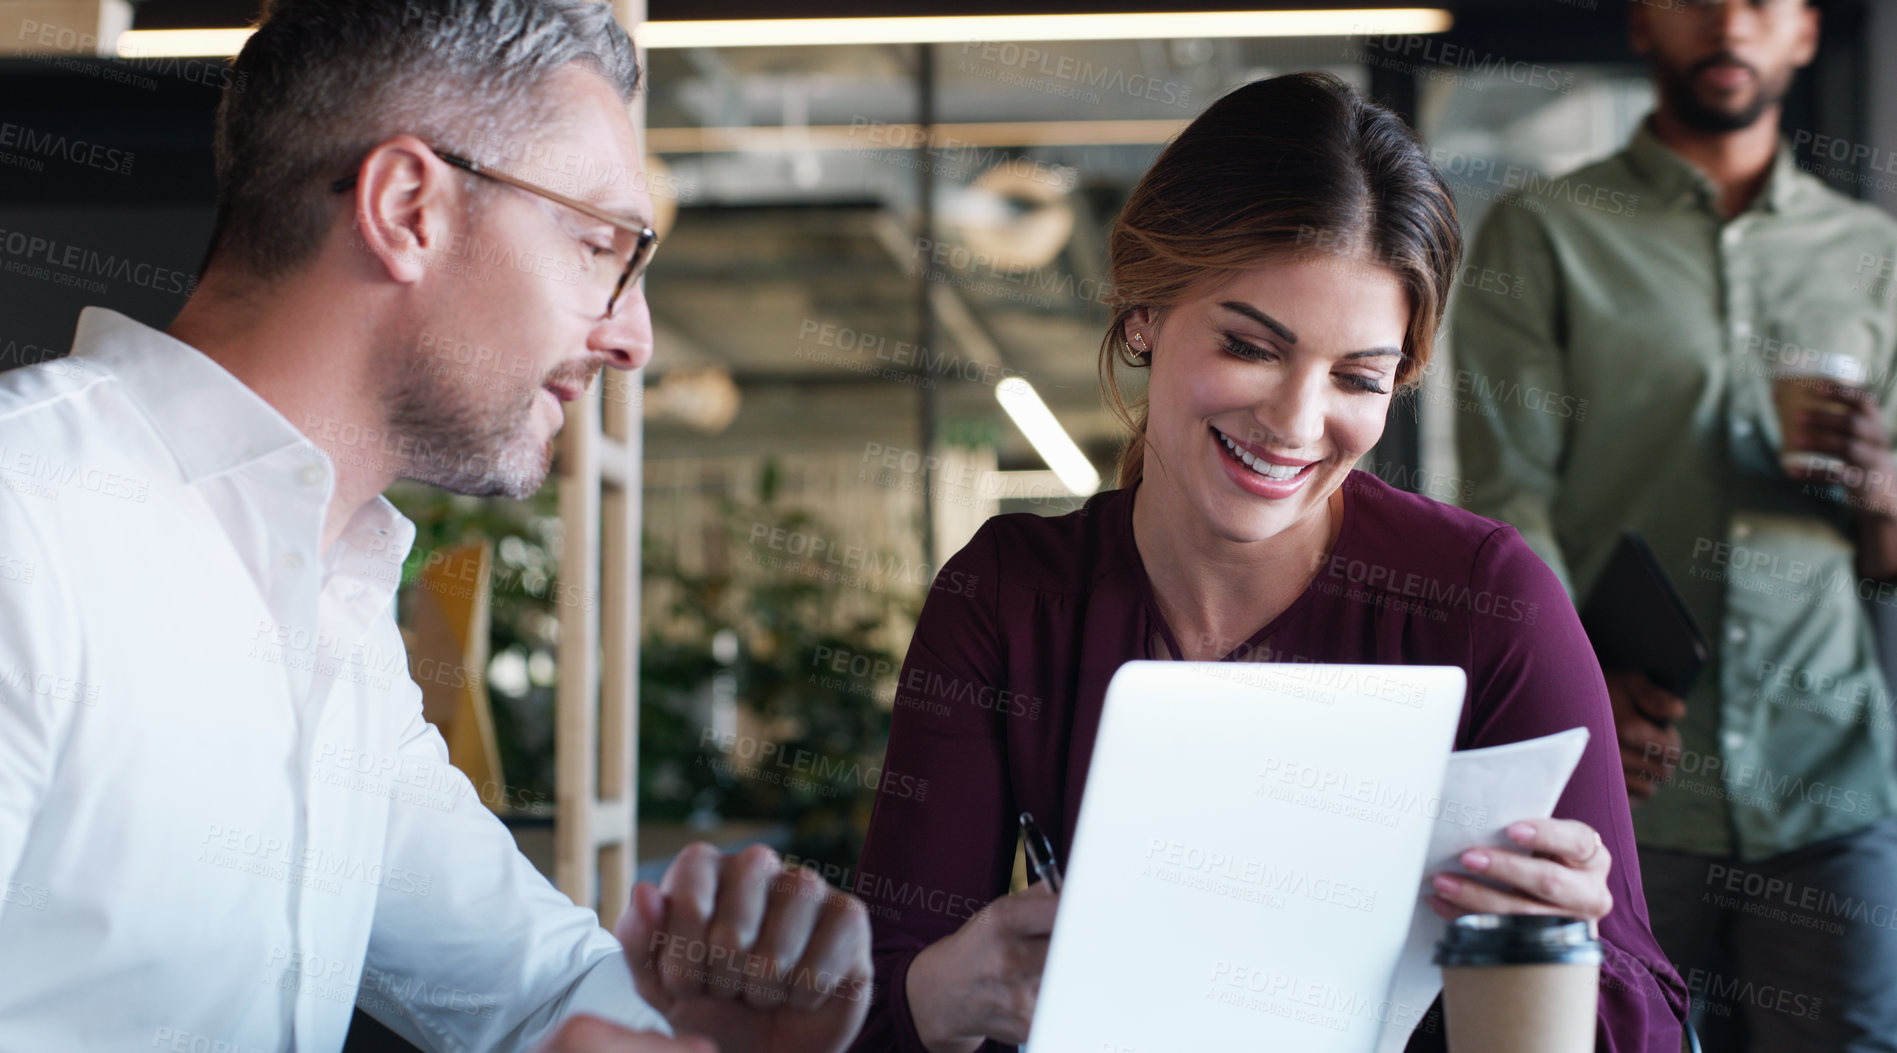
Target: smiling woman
1281,271
1241,186
1266,389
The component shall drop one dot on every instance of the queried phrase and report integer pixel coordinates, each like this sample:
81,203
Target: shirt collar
1781,190
212,422
1674,179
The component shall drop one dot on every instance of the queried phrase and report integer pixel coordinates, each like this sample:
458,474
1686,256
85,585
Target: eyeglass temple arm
456,160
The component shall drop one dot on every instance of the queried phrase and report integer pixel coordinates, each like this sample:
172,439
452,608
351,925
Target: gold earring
1139,343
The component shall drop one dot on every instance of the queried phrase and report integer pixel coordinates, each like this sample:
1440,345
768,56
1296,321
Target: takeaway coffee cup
1806,382
1519,983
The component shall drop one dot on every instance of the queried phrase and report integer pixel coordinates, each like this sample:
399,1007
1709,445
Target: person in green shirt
1615,343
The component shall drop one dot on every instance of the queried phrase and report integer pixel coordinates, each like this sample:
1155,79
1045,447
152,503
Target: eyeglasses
634,242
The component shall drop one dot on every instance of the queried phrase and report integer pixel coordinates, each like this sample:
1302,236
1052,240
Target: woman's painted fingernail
1446,884
1522,832
1475,860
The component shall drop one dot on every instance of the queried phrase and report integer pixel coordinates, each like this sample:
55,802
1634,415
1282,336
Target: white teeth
1265,468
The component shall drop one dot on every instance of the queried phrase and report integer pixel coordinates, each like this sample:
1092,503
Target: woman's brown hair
1289,167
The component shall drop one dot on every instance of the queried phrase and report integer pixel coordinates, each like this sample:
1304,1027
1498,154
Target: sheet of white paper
1248,849
1483,792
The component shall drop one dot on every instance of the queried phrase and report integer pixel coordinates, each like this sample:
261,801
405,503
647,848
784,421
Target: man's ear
1639,30
1810,20
403,202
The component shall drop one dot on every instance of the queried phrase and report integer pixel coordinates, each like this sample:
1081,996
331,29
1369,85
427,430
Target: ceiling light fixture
181,43
944,29
1048,438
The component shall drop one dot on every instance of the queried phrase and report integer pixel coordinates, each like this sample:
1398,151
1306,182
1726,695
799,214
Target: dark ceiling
1566,30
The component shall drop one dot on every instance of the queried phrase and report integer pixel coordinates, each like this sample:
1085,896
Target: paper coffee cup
1805,382
1520,983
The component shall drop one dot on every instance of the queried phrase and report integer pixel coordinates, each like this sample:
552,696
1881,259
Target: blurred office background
873,252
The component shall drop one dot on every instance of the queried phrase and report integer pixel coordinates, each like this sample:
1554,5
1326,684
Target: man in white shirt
223,821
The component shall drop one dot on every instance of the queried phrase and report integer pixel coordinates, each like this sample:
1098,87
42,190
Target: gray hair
321,82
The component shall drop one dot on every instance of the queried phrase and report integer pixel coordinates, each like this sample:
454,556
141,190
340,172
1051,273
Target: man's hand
1855,435
1644,715
761,957
590,1034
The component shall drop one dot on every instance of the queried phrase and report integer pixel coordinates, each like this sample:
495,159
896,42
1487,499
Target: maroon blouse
999,702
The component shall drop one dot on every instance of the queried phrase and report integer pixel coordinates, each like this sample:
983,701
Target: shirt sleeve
37,629
1883,384
1539,677
488,955
929,864
1511,341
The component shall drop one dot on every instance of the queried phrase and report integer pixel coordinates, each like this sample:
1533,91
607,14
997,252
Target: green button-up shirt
1614,339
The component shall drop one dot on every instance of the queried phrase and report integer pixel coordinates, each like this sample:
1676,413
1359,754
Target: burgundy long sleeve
999,702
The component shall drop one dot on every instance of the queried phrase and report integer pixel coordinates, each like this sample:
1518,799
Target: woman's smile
1261,473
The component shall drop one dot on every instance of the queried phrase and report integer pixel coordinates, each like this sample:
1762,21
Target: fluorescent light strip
1049,439
955,29
181,43
946,29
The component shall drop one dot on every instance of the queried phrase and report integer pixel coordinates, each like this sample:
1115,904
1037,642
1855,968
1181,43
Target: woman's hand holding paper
1562,868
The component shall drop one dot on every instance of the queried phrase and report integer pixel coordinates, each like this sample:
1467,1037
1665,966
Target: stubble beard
1696,113
461,442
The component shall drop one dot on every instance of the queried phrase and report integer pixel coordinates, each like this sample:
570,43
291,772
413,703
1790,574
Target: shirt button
1742,427
310,475
1742,530
1733,740
1736,634
293,561
1741,330
1730,235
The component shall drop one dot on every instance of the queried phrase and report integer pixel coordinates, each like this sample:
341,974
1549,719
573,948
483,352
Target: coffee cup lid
1826,365
1517,939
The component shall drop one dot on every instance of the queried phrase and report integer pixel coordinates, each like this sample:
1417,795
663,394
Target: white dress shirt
223,820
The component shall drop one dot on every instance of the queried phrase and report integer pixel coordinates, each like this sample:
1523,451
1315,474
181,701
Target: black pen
1040,853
